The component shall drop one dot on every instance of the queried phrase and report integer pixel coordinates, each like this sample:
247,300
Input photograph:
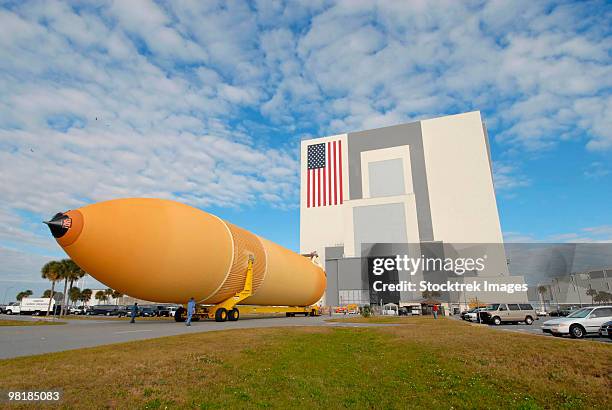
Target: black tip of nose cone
59,224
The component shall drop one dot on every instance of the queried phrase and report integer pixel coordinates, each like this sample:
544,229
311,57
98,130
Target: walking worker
435,311
134,312
190,311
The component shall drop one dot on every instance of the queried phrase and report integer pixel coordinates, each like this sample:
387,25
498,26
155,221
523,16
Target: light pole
5,292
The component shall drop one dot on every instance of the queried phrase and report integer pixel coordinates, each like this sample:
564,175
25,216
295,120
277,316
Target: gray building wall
386,178
388,137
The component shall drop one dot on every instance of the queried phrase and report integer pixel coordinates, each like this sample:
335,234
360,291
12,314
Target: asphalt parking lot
29,340
536,329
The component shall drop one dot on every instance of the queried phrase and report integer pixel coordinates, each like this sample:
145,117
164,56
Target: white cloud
594,234
597,170
143,98
507,177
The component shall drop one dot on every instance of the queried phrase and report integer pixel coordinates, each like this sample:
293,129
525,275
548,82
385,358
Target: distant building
572,289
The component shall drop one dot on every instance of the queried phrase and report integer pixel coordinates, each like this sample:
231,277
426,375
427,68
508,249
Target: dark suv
161,310
146,311
105,310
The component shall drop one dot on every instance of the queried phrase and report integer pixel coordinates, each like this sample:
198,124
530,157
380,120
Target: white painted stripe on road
133,331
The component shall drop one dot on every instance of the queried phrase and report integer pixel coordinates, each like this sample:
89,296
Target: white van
36,306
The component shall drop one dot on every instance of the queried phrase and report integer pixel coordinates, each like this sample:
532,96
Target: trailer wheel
178,315
233,315
221,315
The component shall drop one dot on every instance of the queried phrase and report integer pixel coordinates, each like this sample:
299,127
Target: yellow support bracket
229,303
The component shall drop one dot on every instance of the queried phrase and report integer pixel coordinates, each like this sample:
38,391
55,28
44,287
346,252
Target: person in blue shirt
190,310
134,312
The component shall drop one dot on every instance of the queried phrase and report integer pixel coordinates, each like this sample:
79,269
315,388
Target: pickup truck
13,308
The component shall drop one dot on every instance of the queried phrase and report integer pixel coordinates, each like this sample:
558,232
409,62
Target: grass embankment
424,364
28,323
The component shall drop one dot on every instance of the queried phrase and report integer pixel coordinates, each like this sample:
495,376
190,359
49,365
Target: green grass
423,364
28,323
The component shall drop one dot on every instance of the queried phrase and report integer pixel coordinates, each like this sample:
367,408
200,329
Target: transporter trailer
228,309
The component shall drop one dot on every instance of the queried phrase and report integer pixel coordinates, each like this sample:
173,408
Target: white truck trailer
36,306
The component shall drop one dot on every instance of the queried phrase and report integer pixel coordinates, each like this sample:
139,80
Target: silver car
578,324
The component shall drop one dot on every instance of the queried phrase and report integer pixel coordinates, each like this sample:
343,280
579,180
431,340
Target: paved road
536,329
29,340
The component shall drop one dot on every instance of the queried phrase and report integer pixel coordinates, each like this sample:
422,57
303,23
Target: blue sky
205,103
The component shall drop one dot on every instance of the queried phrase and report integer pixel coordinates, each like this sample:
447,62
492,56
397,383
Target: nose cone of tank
59,224
65,227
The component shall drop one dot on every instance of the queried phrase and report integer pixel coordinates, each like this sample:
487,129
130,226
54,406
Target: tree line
68,271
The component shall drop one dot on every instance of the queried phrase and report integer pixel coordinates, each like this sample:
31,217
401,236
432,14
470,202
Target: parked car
606,330
470,314
106,310
474,316
77,310
161,310
579,323
498,313
564,311
146,311
126,311
172,310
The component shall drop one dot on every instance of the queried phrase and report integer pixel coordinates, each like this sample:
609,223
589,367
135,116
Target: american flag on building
324,179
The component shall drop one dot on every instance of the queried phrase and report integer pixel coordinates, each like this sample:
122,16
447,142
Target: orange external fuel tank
165,251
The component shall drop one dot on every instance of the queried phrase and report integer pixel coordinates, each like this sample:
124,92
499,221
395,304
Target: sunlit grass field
421,363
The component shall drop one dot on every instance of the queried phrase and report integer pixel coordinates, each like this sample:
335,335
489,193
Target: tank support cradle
227,310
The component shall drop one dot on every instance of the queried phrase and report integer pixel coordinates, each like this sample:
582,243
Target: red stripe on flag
319,187
324,187
312,189
335,175
340,168
329,174
307,187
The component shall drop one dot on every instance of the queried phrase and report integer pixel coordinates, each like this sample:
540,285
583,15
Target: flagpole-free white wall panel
459,180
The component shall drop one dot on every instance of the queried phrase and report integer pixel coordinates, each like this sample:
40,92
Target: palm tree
592,293
101,296
71,272
603,297
47,294
542,291
108,292
51,271
430,294
24,294
117,295
74,294
85,296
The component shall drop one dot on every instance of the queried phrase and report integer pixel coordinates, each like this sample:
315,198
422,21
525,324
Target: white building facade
426,182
